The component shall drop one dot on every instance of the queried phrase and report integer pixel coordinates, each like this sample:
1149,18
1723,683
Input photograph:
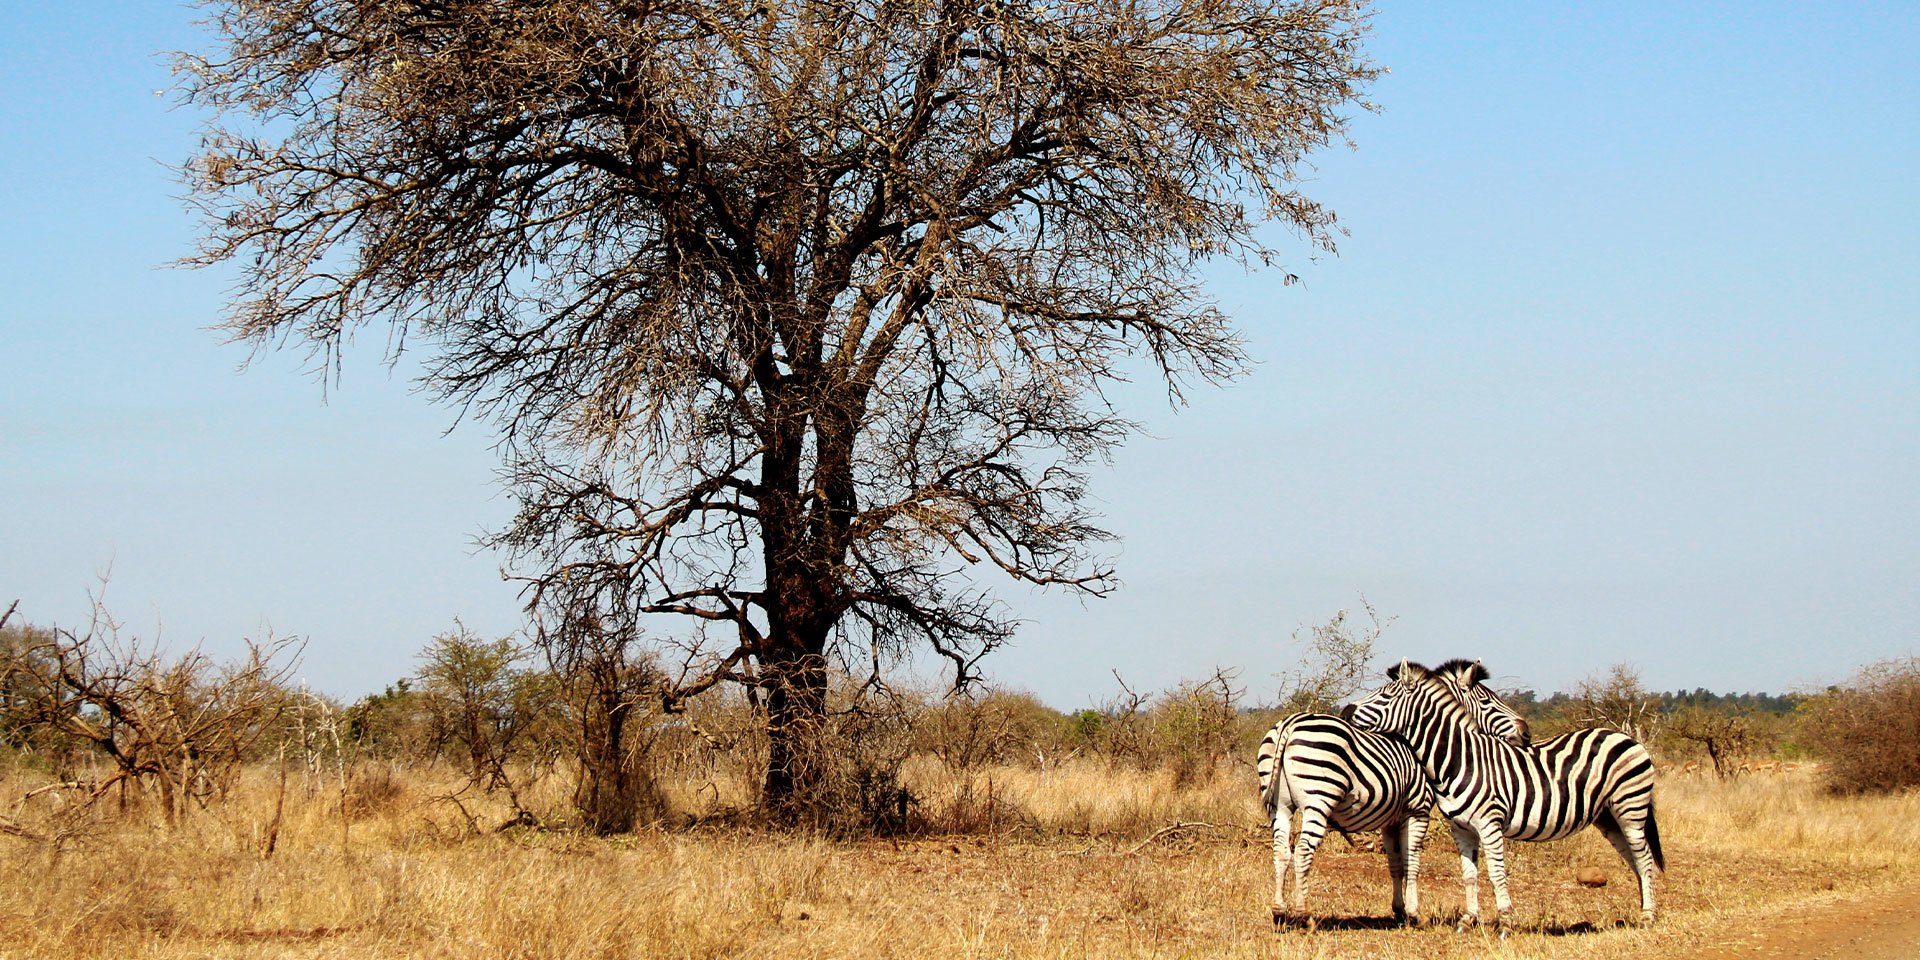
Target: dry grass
1065,873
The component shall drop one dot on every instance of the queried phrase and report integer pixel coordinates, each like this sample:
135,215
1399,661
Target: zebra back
1548,789
1372,779
1486,711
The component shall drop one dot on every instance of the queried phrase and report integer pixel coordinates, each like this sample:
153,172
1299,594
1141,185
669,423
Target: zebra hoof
1282,918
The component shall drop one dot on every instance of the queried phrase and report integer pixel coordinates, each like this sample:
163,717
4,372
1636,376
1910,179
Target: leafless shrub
607,682
1618,701
1867,733
481,702
978,805
1727,735
718,737
1191,728
971,729
1334,663
855,761
1194,728
1117,729
28,670
178,727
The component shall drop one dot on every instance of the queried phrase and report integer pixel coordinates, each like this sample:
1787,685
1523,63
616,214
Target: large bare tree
789,311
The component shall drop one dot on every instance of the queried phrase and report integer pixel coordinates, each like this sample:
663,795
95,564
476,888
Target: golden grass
1073,869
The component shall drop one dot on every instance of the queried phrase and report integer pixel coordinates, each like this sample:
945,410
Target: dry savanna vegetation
1087,860
447,817
789,319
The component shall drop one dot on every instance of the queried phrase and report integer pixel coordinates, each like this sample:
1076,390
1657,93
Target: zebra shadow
1330,923
1557,928
1570,929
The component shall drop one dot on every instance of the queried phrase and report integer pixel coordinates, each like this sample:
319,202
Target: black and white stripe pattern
1493,790
1333,774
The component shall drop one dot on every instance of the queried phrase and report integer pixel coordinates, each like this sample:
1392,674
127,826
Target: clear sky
1621,362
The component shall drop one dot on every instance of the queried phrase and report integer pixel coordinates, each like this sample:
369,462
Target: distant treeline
111,716
1530,703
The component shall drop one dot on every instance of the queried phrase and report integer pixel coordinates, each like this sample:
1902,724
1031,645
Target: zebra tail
1270,790
1266,782
1653,838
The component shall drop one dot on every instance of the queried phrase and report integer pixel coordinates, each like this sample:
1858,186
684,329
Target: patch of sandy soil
1883,927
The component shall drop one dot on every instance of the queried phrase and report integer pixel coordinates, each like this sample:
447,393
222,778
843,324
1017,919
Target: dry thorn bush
1868,733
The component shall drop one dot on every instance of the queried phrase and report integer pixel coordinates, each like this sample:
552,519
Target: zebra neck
1442,753
1446,743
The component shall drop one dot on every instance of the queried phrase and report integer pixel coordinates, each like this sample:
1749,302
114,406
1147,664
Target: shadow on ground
1337,923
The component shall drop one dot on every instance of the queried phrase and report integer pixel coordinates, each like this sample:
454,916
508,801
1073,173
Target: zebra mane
1407,670
1393,672
1472,670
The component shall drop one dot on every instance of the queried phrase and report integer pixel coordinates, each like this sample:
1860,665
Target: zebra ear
1478,674
1393,672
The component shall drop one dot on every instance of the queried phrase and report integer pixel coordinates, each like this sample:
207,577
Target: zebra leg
1282,853
1313,829
1629,837
1468,840
1393,840
1416,827
1493,838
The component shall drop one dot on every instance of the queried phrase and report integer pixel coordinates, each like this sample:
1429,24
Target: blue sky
1621,362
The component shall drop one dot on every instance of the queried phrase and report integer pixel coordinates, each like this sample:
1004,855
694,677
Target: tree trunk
796,717
168,792
803,547
1722,766
606,797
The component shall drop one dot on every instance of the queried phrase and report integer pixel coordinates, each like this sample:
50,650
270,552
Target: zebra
1332,773
1492,790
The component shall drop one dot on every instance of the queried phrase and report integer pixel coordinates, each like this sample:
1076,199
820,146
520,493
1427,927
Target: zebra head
1491,715
1412,697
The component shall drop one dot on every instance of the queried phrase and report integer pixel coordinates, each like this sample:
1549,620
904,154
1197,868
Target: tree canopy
787,311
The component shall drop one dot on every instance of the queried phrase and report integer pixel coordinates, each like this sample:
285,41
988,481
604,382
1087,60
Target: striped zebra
1333,774
1494,790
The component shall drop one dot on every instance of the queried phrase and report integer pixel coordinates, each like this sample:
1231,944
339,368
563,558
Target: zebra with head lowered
1493,790
1333,774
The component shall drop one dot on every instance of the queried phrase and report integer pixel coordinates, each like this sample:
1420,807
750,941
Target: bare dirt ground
1884,927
